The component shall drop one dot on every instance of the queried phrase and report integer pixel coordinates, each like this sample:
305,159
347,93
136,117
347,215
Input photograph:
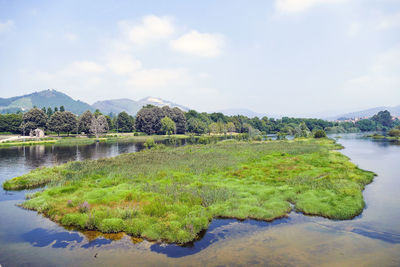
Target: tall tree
34,118
148,120
10,123
85,121
384,118
168,126
124,122
98,125
62,109
62,122
49,112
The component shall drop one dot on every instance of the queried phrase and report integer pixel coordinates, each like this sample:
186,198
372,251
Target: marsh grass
172,194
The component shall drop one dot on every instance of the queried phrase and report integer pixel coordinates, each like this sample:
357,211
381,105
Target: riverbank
379,136
172,194
83,140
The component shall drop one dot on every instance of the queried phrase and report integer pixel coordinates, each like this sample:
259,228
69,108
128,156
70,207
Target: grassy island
172,194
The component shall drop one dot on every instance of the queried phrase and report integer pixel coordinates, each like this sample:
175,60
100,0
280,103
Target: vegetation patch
172,194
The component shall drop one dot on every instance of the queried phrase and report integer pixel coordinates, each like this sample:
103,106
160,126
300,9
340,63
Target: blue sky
291,57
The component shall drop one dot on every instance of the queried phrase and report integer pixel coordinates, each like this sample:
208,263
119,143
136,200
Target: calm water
373,238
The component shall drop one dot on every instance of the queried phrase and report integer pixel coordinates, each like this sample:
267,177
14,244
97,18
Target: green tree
10,123
34,118
213,128
97,113
49,112
384,118
197,126
62,109
124,122
148,120
62,122
366,125
85,121
168,126
230,127
394,132
319,134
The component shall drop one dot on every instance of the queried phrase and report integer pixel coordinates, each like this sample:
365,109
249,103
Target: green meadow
171,194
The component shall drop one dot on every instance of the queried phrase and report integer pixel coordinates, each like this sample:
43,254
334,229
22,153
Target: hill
132,106
395,111
155,101
117,105
46,98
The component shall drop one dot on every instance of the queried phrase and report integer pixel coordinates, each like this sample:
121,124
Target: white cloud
123,64
159,78
151,28
381,80
199,44
6,26
84,67
70,36
389,21
354,29
297,6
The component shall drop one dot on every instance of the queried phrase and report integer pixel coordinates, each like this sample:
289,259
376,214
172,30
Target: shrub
75,219
84,207
149,143
112,225
394,132
319,134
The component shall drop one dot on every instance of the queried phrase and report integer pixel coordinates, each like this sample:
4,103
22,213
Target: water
371,239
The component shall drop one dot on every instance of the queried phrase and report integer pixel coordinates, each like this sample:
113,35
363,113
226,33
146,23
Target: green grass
172,194
27,143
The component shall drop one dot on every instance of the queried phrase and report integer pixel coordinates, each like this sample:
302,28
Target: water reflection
15,161
371,238
40,237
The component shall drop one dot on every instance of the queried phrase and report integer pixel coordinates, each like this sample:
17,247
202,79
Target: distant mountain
160,103
131,106
241,111
46,98
395,111
118,105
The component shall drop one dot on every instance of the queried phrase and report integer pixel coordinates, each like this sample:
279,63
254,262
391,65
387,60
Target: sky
280,57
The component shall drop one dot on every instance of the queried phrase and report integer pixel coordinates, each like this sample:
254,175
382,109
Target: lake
372,238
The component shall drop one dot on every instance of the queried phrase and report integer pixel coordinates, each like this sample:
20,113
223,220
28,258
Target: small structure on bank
39,133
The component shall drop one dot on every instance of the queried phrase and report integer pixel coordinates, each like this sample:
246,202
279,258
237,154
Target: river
371,239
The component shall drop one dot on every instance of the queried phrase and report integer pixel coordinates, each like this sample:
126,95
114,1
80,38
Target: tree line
165,120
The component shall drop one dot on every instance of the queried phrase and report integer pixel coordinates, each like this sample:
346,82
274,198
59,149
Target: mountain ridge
46,98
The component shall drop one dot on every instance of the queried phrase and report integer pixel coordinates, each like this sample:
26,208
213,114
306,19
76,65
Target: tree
366,125
196,126
97,113
148,120
319,134
85,121
49,112
168,126
384,118
62,109
230,127
55,109
98,125
34,118
62,122
394,132
124,122
10,123
213,128
44,109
